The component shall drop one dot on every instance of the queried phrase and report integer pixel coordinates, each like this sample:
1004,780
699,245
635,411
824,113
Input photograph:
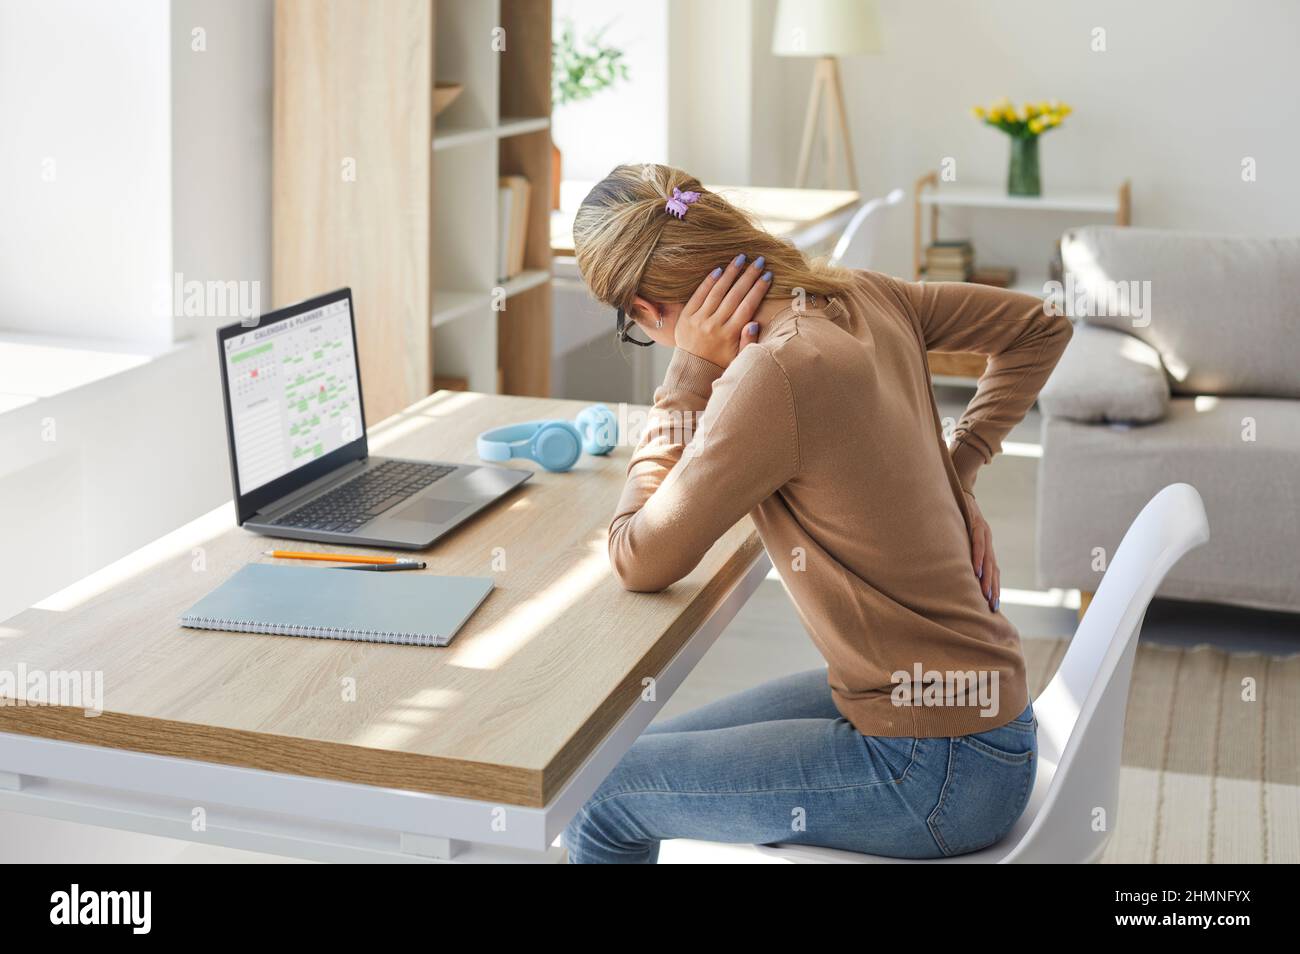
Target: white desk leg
427,846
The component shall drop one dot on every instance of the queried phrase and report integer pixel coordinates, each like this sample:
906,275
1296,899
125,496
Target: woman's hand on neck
725,313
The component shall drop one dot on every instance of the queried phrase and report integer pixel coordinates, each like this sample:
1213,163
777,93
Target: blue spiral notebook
408,608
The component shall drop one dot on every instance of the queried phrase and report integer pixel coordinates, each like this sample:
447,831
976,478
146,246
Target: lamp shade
826,28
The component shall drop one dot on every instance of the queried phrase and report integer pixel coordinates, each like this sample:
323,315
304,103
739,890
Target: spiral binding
321,632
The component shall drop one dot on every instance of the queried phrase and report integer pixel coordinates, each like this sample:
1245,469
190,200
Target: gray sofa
1191,374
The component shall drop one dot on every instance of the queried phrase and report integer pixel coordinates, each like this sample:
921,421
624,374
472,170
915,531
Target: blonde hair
628,245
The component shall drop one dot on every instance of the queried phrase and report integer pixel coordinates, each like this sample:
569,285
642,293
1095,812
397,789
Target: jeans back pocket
990,777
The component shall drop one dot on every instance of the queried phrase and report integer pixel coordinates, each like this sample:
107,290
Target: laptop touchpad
430,510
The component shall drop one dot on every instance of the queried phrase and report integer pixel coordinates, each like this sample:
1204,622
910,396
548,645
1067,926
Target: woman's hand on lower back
719,318
983,561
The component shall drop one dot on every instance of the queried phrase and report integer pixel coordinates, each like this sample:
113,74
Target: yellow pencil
336,557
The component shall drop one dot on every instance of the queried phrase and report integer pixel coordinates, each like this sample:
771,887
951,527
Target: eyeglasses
622,329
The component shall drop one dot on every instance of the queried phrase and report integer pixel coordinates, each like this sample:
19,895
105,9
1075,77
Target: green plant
580,71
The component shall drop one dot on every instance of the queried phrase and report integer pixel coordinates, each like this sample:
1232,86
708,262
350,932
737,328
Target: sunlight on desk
182,542
494,645
442,404
408,717
382,437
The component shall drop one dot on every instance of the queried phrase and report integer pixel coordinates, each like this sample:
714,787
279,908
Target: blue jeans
778,763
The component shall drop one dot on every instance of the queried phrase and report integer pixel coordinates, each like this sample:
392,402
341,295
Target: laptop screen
292,391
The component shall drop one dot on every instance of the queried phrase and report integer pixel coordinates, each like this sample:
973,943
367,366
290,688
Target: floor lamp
826,29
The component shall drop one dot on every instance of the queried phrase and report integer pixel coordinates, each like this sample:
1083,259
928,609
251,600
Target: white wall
130,155
712,70
628,122
1182,93
164,166
86,167
221,82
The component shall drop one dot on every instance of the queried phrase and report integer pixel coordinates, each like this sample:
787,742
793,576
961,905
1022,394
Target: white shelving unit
499,124
991,197
948,368
410,224
448,305
929,195
449,137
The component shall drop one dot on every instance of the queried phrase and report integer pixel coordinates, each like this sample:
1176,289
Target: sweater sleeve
715,446
1022,340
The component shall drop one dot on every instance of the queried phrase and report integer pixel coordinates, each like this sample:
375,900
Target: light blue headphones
556,445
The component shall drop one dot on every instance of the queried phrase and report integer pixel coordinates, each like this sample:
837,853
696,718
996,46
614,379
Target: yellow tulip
1031,110
1035,125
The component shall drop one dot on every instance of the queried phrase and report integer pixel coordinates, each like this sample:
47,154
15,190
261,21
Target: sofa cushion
1242,454
1222,311
1106,375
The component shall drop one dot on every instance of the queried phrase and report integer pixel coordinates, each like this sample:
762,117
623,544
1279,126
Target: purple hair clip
680,200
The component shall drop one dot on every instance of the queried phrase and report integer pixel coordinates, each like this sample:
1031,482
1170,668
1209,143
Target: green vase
1022,177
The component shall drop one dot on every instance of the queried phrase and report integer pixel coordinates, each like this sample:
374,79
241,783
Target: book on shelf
997,275
944,257
949,261
505,204
450,383
513,193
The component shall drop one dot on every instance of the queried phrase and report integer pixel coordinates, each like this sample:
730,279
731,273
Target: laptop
295,422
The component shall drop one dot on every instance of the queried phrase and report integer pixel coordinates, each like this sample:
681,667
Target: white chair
1072,809
857,245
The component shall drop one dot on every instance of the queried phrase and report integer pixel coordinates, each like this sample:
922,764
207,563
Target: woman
799,394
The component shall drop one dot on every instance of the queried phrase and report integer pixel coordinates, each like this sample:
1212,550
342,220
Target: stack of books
949,261
513,194
997,275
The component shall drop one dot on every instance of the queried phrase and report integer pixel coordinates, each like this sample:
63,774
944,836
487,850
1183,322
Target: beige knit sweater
826,433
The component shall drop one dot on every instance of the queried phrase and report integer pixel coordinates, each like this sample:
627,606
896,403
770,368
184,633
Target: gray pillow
1222,311
1105,375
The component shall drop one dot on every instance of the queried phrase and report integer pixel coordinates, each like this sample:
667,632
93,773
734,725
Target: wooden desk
530,706
787,213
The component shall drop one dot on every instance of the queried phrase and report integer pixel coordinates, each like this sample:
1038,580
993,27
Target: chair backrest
857,245
1081,713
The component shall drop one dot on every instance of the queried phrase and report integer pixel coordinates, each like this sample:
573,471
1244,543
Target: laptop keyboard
364,497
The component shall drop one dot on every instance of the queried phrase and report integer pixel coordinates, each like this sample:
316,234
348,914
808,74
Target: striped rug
1211,764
